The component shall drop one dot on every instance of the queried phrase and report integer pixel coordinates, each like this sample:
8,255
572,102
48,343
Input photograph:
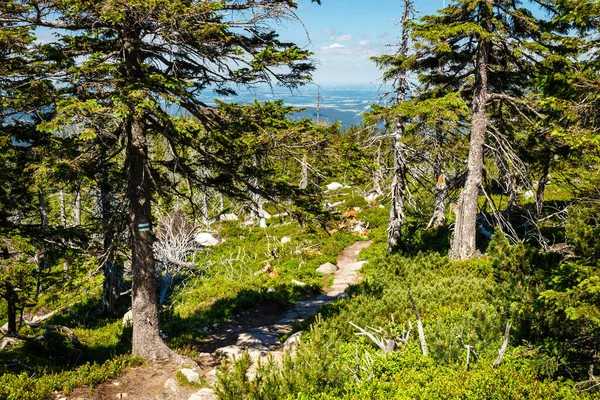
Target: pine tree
483,50
397,72
125,61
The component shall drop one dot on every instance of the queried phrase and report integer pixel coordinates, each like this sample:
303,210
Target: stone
285,239
371,197
171,385
211,376
342,295
116,383
121,395
327,268
355,266
298,283
334,186
128,318
256,340
291,344
230,352
206,239
227,217
529,194
204,394
191,375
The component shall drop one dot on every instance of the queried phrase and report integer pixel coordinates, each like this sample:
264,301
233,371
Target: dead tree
399,182
419,324
503,347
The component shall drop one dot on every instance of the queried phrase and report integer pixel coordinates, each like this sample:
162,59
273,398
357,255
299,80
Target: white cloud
335,46
344,38
363,43
329,31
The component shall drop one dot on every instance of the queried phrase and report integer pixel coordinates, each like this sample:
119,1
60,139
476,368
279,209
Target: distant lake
338,103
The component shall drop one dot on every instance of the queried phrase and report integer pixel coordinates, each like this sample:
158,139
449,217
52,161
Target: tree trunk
43,209
78,208
63,215
465,229
40,256
113,269
304,173
146,341
439,210
399,178
11,298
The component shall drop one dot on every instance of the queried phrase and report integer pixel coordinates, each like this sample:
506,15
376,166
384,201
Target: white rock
171,385
291,343
285,239
128,318
327,268
227,217
206,239
191,375
116,383
298,283
262,223
211,376
529,194
371,197
204,394
121,395
334,186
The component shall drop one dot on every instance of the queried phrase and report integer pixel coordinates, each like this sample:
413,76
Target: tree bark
11,298
465,229
304,173
113,269
441,193
146,341
399,177
63,215
78,208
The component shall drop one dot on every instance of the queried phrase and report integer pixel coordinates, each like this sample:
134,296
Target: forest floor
257,331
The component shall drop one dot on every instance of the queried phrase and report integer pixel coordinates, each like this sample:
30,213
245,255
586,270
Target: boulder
529,194
334,186
206,239
327,268
204,394
371,197
291,344
227,217
171,385
211,376
191,375
128,318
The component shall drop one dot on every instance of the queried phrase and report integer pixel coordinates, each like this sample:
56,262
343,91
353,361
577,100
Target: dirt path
257,331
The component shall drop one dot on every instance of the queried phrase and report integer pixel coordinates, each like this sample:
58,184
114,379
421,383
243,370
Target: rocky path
262,341
260,336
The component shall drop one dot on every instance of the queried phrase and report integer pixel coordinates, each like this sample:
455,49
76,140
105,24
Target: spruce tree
484,50
127,66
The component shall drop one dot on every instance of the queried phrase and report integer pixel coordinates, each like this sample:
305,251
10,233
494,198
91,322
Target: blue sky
345,33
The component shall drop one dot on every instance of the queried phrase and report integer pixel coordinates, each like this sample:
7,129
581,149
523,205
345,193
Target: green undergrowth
472,300
251,267
40,384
